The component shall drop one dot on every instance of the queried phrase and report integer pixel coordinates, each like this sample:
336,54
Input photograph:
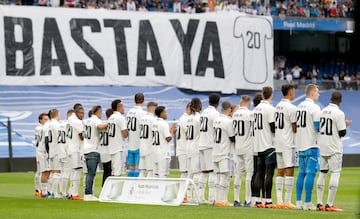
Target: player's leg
142,167
149,161
195,169
224,166
280,178
203,176
312,168
45,172
75,175
65,175
190,176
92,160
249,169
255,161
107,171
117,163
37,178
217,201
300,179
56,176
320,184
270,164
131,163
239,171
259,179
289,159
335,164
136,162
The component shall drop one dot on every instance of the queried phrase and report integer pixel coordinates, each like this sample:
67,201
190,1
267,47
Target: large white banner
204,52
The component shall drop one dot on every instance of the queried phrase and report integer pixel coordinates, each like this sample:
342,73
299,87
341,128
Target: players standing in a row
92,129
332,128
40,154
264,128
243,154
285,123
308,115
206,145
221,154
133,126
118,132
146,142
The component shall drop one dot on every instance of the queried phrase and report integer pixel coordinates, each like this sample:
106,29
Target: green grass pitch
17,201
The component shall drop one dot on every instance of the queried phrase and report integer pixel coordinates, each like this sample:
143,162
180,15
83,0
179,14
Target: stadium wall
29,164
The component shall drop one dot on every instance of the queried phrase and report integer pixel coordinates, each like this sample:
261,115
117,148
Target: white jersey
44,133
306,135
264,114
53,131
285,115
193,134
115,127
332,120
161,131
146,140
91,135
243,126
222,145
38,137
104,146
75,129
181,142
207,118
62,139
133,125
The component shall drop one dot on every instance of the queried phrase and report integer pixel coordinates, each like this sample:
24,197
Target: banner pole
11,165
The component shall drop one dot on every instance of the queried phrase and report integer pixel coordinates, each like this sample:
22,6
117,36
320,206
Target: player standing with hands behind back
307,121
332,129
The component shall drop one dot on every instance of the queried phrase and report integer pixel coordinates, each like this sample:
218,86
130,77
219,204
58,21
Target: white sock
202,185
190,190
142,173
289,184
320,187
150,173
333,186
37,180
75,181
211,184
55,182
49,182
248,187
224,185
44,188
279,189
237,186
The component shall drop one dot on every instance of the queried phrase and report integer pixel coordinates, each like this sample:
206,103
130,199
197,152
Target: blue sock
136,173
131,173
299,185
309,185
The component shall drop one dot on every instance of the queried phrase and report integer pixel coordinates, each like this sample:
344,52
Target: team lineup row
211,147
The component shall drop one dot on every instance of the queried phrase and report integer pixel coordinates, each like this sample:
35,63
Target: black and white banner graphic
57,46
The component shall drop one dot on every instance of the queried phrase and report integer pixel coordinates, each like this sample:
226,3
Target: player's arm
342,133
102,126
47,143
317,120
272,120
168,132
272,127
123,127
293,120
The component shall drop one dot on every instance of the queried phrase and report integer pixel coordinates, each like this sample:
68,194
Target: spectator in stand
337,81
268,10
130,5
358,81
289,78
142,7
296,71
347,80
333,10
177,6
315,72
307,11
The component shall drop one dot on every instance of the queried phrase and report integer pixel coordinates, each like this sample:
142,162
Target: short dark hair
285,88
109,112
159,110
214,99
336,97
42,115
226,105
245,98
194,104
114,104
267,92
76,105
257,99
52,113
139,98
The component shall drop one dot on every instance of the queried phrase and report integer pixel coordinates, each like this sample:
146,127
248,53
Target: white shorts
65,163
146,162
44,165
55,163
333,163
75,160
162,167
182,162
117,163
193,164
244,162
104,154
286,158
205,159
222,166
